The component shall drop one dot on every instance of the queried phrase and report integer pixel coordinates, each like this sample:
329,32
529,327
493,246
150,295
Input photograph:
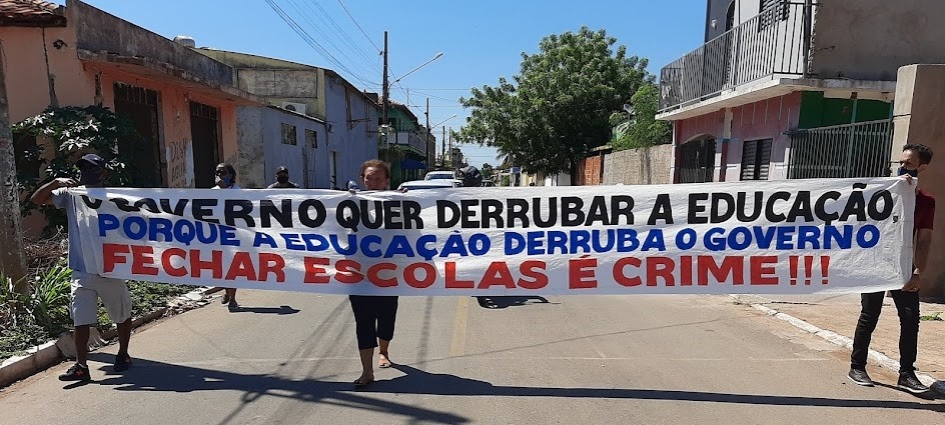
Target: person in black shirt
282,179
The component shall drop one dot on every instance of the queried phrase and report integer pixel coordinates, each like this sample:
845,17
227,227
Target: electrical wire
326,39
308,39
359,27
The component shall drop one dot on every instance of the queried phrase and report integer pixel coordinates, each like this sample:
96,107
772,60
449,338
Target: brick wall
588,171
639,166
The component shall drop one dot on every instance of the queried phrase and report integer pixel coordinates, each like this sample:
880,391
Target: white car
429,184
439,175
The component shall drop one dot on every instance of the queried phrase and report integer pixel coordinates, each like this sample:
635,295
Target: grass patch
30,320
933,317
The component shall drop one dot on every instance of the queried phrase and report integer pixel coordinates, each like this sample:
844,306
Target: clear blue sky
481,39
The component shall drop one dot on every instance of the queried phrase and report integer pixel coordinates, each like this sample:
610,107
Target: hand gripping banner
776,237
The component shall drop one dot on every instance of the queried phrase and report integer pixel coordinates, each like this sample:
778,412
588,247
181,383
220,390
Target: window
756,159
771,12
288,135
311,139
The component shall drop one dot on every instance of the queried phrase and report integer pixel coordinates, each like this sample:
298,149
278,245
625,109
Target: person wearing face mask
915,159
282,179
226,179
87,287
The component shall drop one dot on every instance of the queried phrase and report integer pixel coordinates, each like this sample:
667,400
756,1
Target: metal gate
204,131
841,151
141,106
696,161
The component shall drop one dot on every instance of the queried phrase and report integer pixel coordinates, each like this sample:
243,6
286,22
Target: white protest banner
785,237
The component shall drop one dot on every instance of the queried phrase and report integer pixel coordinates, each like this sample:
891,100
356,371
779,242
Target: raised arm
43,195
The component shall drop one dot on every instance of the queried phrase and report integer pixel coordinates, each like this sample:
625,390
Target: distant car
488,183
430,184
439,175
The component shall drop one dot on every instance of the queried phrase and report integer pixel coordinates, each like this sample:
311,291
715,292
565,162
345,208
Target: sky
481,40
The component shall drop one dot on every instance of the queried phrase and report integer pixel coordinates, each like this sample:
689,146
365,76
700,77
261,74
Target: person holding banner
88,288
374,316
915,158
226,179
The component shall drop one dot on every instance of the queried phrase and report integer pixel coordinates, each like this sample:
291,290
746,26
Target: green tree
487,171
560,105
640,128
75,131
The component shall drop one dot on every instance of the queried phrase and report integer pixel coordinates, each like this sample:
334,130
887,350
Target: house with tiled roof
31,13
183,104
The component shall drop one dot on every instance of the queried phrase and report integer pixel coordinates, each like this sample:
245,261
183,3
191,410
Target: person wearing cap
225,178
282,179
87,286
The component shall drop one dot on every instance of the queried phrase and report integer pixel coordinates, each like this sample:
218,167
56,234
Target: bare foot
383,361
363,381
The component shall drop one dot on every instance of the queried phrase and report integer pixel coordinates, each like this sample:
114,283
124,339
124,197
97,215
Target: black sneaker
76,373
122,362
911,383
232,305
225,300
860,377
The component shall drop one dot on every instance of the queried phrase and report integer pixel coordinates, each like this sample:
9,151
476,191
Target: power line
329,23
341,32
433,96
307,38
443,89
359,26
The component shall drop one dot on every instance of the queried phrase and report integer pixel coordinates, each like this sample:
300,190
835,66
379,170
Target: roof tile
30,13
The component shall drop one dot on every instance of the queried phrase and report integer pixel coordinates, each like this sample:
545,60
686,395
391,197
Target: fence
773,42
850,150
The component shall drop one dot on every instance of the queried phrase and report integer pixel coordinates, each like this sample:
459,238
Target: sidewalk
839,313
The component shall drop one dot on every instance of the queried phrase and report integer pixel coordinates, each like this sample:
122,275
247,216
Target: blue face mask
904,171
226,179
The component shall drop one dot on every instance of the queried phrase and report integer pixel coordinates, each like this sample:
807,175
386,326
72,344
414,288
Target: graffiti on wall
180,163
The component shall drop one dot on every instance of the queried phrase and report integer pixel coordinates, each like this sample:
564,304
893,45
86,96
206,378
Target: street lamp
441,122
438,55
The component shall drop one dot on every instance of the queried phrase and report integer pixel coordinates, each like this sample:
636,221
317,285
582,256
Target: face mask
282,179
227,180
91,176
913,173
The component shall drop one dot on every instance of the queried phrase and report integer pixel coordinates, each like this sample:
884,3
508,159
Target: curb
830,336
42,357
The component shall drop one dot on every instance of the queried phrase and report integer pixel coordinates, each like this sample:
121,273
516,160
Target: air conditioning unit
295,107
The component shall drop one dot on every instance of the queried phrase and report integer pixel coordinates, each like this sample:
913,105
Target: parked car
439,175
488,183
429,184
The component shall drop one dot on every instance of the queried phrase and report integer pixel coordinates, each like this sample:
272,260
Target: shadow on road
149,375
510,301
281,310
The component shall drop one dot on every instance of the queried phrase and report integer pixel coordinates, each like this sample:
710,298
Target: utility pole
428,143
12,260
452,157
443,142
385,92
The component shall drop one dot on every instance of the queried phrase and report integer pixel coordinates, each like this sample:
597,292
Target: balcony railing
775,42
409,138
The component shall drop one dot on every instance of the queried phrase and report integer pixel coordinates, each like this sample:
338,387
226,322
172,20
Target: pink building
182,103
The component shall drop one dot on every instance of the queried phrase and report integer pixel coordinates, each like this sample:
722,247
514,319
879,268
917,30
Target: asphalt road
289,358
